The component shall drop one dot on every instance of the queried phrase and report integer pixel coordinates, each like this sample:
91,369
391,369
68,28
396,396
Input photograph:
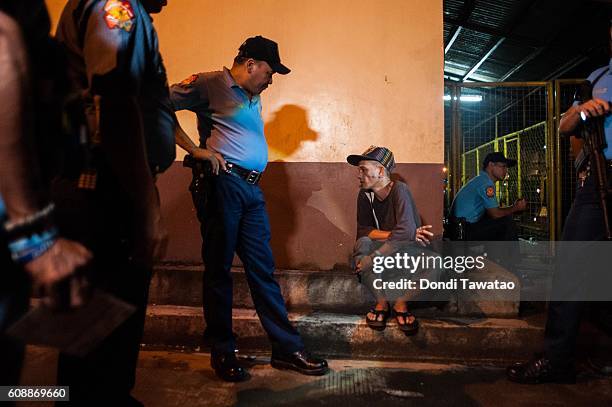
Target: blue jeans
234,219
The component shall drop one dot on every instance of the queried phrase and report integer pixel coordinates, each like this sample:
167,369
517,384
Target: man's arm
406,214
20,185
405,230
519,206
591,108
184,141
191,94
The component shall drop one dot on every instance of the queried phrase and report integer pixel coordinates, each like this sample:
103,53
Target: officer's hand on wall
594,108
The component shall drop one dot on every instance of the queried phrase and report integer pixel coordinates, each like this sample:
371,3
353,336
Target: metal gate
519,119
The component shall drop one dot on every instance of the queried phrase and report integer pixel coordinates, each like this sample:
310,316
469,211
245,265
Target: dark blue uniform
234,216
472,202
113,53
584,222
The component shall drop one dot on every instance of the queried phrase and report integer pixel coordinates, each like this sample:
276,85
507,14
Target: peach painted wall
364,72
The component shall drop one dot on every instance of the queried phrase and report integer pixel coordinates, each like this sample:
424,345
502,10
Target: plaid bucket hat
374,153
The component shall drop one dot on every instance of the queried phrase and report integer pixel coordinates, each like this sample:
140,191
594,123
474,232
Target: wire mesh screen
512,120
470,166
510,189
447,148
532,176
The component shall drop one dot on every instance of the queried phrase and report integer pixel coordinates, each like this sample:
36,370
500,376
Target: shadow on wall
303,236
288,130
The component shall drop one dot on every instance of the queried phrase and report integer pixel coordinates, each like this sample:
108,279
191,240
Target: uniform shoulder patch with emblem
490,192
187,82
119,14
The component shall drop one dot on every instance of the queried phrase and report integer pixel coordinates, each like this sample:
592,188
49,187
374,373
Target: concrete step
324,291
348,336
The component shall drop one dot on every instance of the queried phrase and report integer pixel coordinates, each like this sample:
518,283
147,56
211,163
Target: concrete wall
312,210
364,72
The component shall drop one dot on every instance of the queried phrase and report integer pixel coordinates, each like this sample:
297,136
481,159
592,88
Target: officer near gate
477,204
584,223
231,205
114,209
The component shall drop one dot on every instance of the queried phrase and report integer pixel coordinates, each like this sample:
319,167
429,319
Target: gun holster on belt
202,172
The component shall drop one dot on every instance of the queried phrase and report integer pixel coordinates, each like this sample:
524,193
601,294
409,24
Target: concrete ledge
325,291
347,336
486,302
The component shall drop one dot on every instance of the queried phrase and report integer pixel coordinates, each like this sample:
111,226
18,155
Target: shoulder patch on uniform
187,82
119,14
490,192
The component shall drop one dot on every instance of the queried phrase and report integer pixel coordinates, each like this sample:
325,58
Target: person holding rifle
586,221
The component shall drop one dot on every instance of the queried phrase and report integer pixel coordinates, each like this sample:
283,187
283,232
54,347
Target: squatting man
386,219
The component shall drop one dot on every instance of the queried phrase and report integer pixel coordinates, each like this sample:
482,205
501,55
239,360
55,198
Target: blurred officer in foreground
31,251
585,222
115,65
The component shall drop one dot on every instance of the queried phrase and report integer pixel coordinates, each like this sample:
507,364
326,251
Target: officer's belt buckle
253,177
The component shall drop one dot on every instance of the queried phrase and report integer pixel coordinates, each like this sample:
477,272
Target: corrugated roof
531,39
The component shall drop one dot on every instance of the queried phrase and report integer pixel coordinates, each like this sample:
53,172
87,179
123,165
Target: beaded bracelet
30,221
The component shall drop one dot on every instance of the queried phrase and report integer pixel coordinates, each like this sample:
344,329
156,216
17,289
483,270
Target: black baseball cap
498,157
263,49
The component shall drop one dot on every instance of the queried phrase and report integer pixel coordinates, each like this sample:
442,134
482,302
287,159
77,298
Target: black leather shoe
539,370
227,367
300,361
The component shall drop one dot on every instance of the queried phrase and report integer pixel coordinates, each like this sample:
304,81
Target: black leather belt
250,176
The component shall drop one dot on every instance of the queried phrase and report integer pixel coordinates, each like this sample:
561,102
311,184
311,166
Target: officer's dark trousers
584,223
102,222
497,230
489,229
14,301
235,220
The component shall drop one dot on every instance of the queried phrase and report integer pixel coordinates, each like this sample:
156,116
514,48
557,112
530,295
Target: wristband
26,249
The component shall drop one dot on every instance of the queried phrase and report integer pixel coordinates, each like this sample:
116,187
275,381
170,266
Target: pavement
174,378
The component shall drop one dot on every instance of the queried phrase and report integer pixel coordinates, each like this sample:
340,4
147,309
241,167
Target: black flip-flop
408,328
376,324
